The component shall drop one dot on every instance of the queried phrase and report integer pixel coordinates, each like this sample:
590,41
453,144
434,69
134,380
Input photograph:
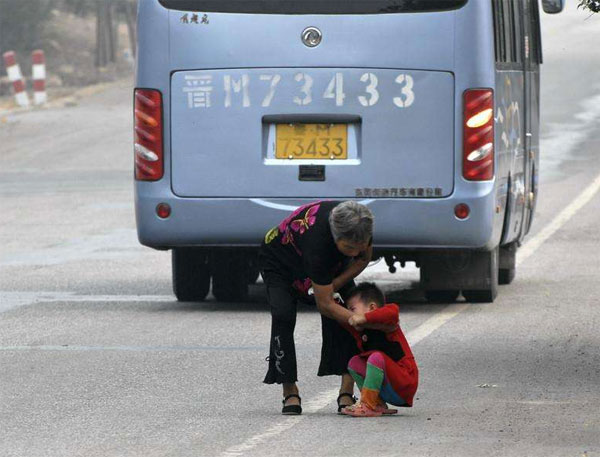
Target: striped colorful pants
379,379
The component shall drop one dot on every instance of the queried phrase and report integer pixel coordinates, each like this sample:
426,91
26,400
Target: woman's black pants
338,346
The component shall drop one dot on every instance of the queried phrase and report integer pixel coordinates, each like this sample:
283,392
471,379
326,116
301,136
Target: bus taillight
148,145
478,135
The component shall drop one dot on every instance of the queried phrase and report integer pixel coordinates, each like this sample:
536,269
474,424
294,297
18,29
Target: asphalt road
98,359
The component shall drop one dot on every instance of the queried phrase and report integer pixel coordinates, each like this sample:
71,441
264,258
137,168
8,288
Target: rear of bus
246,109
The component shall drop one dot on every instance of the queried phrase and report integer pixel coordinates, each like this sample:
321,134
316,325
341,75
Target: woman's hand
327,305
357,321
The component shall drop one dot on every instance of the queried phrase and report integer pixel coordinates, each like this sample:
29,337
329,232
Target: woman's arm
384,319
327,305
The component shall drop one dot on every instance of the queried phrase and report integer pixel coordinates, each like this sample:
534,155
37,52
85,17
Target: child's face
358,306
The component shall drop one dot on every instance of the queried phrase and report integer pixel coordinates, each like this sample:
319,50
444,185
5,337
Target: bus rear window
313,6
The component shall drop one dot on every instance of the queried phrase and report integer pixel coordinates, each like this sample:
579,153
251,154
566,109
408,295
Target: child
385,370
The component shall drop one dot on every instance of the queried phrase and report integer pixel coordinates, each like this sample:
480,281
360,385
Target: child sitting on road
385,370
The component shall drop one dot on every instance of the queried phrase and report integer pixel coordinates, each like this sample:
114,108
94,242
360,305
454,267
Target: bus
427,111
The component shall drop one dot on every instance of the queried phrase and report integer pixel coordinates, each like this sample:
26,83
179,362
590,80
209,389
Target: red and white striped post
16,77
38,74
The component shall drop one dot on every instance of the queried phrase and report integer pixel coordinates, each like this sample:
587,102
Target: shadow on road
412,300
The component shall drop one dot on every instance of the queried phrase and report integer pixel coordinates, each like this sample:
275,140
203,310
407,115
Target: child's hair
368,292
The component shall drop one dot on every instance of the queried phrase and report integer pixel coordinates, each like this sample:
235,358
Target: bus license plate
311,141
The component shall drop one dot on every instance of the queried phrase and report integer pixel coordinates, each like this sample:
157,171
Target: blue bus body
396,80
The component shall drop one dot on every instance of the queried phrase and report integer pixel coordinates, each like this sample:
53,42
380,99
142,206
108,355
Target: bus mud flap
459,269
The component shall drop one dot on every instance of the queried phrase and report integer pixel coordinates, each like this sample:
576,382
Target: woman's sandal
340,406
291,410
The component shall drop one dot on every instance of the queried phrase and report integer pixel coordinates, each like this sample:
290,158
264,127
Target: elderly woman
323,245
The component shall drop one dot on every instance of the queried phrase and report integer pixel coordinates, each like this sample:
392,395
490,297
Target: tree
127,9
108,15
106,34
591,5
23,24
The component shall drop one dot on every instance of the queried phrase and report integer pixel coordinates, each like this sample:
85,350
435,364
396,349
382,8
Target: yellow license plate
311,141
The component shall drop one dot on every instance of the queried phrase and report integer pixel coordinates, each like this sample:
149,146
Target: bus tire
506,276
253,275
441,296
489,293
191,274
507,263
253,271
229,270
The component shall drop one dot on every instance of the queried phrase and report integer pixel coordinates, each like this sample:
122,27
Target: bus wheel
191,274
441,296
508,264
253,275
229,275
253,271
506,276
490,272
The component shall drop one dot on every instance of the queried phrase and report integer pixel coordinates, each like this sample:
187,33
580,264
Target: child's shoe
361,410
382,408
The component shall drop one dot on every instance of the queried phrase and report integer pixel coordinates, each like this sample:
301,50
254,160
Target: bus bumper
410,223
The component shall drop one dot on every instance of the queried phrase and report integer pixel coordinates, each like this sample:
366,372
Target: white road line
561,219
425,329
275,430
10,299
310,407
114,245
435,322
324,398
76,348
110,298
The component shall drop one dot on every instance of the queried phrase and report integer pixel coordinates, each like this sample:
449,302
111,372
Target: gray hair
351,221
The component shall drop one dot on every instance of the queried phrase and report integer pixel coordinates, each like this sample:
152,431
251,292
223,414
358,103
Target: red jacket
404,377
393,344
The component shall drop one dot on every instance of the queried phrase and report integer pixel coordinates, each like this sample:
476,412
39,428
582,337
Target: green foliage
26,25
80,7
591,5
89,7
